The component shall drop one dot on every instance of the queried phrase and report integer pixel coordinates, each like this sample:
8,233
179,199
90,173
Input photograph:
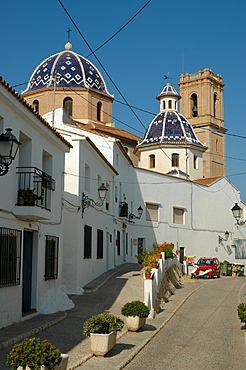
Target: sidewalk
109,292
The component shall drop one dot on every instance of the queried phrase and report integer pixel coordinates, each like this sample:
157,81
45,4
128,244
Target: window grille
87,241
10,257
99,243
51,257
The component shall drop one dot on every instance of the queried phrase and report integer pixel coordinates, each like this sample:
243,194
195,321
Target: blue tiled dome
169,90
170,127
71,70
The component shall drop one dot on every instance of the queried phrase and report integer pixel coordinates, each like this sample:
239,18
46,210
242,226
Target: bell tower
202,105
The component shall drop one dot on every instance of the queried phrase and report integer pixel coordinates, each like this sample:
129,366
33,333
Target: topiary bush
135,308
102,324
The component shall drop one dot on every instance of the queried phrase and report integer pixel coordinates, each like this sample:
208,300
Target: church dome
170,127
70,69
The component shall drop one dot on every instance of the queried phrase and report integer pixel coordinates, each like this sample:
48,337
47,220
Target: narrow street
205,333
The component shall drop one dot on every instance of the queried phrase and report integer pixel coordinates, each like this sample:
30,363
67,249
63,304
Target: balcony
34,194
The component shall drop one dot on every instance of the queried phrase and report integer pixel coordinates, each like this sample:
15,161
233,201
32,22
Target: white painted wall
47,296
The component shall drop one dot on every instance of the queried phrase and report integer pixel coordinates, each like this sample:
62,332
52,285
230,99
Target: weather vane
68,34
167,77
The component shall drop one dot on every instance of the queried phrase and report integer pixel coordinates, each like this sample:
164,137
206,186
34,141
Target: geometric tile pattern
170,127
71,70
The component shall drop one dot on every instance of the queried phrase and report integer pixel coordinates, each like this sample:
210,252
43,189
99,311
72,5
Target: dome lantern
168,98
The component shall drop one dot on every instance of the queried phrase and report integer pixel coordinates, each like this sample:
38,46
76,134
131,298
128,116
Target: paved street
205,333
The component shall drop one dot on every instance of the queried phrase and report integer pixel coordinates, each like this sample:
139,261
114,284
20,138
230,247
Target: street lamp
88,202
8,149
132,217
225,238
237,213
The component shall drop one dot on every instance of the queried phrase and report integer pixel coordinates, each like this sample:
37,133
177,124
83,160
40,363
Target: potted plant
136,313
27,197
154,263
35,354
147,271
102,330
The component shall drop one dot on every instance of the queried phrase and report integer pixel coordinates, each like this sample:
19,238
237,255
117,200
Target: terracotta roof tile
111,131
208,180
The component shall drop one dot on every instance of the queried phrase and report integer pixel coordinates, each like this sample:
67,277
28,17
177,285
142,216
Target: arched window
68,106
164,104
170,104
152,161
194,105
35,105
215,100
99,111
175,160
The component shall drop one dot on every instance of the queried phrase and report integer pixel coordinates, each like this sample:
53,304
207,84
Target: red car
208,267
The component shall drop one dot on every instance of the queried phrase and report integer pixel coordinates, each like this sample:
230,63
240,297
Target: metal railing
34,187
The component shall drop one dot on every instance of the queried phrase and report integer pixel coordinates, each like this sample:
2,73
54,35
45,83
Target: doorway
28,286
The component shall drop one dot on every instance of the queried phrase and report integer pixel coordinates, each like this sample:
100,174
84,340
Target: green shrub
169,252
102,324
241,310
135,308
34,353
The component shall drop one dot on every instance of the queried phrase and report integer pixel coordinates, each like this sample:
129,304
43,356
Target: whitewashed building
31,215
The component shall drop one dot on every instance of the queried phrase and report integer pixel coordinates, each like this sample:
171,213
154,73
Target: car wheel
218,275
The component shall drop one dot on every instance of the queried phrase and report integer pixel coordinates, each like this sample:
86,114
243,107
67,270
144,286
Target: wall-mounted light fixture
88,202
8,149
237,213
225,238
132,217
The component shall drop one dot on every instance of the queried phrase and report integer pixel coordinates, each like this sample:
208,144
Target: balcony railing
34,188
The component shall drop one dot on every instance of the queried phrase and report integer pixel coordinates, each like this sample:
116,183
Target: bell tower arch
202,104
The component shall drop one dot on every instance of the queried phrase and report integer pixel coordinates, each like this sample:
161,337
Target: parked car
208,267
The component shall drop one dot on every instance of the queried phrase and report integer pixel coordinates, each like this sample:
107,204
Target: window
87,241
175,160
68,106
217,146
152,212
10,255
99,111
152,161
118,243
107,197
178,215
215,100
35,105
51,257
194,105
195,162
99,243
87,178
164,104
116,194
170,104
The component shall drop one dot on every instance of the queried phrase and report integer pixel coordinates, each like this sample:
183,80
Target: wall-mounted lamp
8,149
225,238
237,213
132,217
88,202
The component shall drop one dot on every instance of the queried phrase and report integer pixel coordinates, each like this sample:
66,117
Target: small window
99,244
87,177
217,145
116,194
194,105
99,111
87,241
152,161
68,106
195,162
35,105
51,257
10,256
175,160
170,104
152,212
178,215
215,100
164,104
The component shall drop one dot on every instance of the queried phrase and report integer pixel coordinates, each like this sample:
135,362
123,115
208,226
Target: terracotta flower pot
154,265
147,275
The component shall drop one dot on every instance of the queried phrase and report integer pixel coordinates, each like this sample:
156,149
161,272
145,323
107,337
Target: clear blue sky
167,36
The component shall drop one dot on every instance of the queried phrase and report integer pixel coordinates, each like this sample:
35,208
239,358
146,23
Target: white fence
152,286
